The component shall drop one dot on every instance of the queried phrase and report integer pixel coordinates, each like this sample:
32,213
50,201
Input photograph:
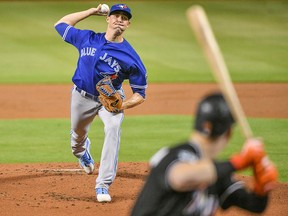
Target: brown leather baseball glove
108,96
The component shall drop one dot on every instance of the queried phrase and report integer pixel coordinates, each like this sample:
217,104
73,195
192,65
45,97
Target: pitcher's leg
83,112
109,157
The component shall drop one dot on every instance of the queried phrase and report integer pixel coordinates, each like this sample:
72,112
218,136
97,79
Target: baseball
104,8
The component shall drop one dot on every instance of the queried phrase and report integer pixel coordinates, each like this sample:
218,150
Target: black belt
86,94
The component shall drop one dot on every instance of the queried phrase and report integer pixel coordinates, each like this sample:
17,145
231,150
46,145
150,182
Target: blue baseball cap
121,7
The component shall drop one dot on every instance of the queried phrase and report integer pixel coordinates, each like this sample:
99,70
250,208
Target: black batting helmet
213,116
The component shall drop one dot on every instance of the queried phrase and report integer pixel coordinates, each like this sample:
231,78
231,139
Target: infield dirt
62,189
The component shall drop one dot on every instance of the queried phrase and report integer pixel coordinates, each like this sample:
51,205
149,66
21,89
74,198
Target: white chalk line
61,170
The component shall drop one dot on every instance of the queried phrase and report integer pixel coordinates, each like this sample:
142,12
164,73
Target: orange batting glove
265,176
252,152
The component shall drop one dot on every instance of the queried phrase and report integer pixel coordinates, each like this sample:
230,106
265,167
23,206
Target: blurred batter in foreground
187,180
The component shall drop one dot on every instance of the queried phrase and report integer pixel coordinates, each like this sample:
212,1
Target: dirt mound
64,189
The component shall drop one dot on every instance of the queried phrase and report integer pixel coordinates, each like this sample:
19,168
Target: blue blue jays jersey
99,57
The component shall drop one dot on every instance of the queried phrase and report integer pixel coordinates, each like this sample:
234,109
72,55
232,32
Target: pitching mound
63,189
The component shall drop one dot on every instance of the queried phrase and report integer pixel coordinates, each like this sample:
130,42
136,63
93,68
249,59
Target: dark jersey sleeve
183,153
235,194
157,197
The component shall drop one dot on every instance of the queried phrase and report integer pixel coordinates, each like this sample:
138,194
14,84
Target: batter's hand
265,176
252,153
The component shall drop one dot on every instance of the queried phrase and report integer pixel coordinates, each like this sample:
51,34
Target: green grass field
47,140
252,35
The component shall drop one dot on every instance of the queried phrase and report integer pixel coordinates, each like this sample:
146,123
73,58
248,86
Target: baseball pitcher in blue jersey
101,55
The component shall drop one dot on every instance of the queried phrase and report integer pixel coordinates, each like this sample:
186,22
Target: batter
101,55
188,180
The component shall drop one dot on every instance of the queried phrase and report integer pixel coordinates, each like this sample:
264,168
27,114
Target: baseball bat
199,23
